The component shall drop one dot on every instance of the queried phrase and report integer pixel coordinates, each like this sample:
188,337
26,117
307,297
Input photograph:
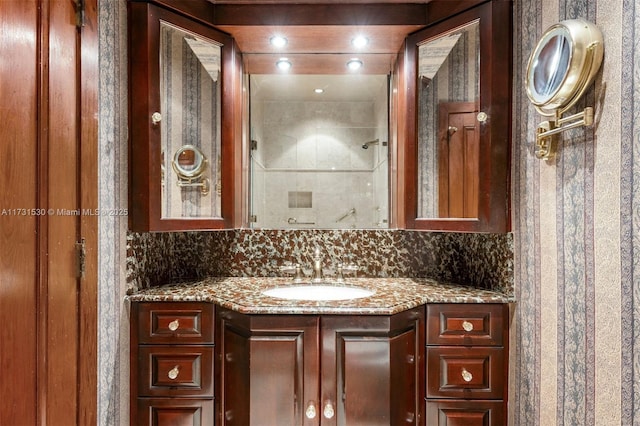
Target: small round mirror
563,64
189,162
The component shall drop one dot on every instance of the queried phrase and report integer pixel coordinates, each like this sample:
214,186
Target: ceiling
319,49
319,34
336,88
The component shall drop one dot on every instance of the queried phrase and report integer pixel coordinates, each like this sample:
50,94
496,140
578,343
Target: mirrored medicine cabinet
422,144
458,114
183,147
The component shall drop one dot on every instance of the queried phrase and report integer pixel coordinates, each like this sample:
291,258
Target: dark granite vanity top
391,295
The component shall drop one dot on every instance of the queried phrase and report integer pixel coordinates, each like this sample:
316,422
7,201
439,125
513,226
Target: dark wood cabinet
467,366
185,128
486,158
321,370
172,364
193,364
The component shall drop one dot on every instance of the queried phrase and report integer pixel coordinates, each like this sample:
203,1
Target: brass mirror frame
191,178
586,51
495,20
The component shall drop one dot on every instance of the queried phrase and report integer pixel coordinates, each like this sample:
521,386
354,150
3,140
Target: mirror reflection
190,163
448,91
551,66
319,151
190,104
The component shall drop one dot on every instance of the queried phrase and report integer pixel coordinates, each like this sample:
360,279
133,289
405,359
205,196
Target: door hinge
80,6
253,145
80,258
253,218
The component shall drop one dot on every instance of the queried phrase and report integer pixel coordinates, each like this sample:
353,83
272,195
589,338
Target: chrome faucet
317,274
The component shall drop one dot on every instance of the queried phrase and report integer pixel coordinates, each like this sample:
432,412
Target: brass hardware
545,138
190,163
81,257
328,411
174,325
295,270
561,68
482,117
156,117
467,326
173,373
411,359
452,130
310,412
80,13
466,376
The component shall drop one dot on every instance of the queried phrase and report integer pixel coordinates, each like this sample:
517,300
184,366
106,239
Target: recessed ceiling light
360,42
278,41
283,64
354,64
318,90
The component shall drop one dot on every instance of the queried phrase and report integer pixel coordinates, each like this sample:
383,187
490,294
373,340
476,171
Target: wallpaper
574,351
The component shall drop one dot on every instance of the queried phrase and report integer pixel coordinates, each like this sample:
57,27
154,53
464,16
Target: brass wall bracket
546,138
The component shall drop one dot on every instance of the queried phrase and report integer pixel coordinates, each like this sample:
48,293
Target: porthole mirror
189,164
561,68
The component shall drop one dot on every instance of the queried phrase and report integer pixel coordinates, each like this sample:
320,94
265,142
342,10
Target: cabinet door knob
466,376
173,373
328,411
310,412
467,326
174,325
156,117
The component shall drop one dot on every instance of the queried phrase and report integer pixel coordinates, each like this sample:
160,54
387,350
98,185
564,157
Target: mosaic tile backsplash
478,260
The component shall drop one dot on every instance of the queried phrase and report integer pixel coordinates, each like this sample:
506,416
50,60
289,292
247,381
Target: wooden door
270,369
458,160
371,369
48,142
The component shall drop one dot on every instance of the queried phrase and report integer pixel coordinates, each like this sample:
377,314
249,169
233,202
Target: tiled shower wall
314,148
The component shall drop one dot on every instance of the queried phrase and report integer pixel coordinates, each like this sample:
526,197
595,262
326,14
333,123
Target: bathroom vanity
415,352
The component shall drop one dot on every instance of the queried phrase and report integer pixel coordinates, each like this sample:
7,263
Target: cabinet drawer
467,413
462,372
175,322
162,412
175,371
466,324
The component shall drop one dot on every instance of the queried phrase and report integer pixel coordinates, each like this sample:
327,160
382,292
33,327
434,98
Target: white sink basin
318,292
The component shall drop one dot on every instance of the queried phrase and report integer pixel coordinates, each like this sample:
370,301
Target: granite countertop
392,295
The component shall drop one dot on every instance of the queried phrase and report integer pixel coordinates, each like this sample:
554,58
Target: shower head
373,142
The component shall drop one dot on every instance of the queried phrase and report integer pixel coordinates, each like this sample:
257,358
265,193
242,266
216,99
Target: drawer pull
174,325
466,376
173,373
310,412
467,326
328,410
